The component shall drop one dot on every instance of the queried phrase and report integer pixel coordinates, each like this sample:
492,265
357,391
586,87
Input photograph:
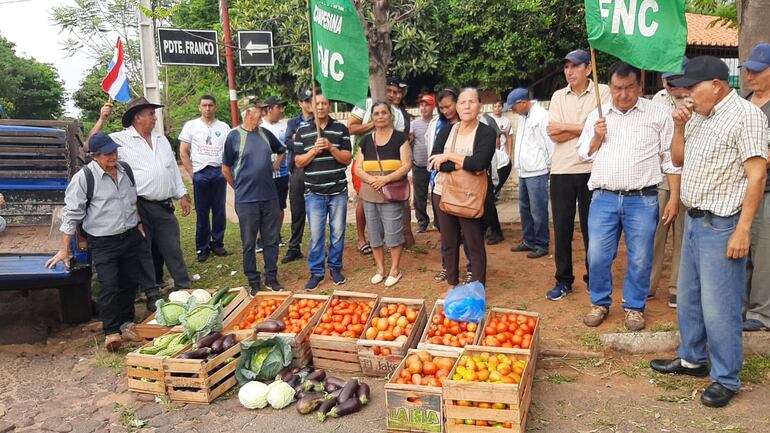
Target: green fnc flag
339,51
649,34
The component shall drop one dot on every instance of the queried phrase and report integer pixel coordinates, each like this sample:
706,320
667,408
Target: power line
7,2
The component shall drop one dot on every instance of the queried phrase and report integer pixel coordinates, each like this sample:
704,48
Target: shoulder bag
464,191
394,191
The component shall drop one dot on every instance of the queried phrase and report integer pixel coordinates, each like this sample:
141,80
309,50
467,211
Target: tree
28,89
753,16
724,10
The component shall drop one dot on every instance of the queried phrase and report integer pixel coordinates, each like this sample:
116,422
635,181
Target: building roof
701,33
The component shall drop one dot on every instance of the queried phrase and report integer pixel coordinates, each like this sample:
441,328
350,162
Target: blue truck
37,160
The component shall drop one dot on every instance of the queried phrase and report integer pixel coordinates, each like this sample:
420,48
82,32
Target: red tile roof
701,33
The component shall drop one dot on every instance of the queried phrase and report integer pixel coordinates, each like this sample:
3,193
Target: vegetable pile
169,313
490,368
393,323
509,330
424,369
344,319
299,314
210,346
166,345
262,359
259,313
201,320
446,332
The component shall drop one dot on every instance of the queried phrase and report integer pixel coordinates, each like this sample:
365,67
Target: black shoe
254,288
291,256
675,366
274,285
337,277
219,251
537,253
203,256
495,239
521,247
585,278
422,229
151,300
716,395
313,282
258,249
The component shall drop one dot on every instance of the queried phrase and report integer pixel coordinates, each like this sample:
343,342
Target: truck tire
76,303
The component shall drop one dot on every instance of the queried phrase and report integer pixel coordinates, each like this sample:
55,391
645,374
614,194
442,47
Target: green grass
603,425
674,398
672,382
664,327
591,341
128,416
557,378
756,369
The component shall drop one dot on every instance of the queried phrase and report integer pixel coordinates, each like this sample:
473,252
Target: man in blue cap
757,308
101,201
532,160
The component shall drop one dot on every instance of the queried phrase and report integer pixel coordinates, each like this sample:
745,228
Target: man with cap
201,144
248,165
671,97
101,201
297,176
721,142
274,122
532,159
158,184
420,174
757,307
569,174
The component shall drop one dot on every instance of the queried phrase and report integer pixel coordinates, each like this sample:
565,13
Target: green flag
339,50
649,34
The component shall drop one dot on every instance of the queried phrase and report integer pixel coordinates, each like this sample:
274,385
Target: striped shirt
324,175
713,177
636,150
155,168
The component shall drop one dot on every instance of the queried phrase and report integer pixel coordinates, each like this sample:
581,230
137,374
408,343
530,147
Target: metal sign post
255,48
188,47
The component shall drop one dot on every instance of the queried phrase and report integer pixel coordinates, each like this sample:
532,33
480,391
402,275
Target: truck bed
29,240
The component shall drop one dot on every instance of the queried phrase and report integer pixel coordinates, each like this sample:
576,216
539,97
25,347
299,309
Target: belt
155,201
119,236
649,190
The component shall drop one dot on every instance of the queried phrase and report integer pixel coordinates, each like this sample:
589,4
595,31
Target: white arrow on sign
253,48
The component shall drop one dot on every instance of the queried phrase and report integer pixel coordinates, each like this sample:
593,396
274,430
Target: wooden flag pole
596,84
312,71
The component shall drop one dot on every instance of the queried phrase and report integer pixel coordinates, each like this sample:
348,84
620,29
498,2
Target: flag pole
596,84
312,71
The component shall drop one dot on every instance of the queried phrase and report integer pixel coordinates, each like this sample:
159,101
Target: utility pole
149,64
225,15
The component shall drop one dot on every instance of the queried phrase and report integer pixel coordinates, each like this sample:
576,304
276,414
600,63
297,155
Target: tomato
489,330
386,351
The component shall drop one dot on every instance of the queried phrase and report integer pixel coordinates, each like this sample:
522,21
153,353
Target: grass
604,425
166,403
756,369
591,341
636,369
672,382
128,416
674,398
557,378
664,327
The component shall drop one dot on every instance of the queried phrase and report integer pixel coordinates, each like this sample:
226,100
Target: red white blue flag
116,81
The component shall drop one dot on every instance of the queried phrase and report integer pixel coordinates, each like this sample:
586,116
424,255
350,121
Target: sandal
365,249
392,281
377,278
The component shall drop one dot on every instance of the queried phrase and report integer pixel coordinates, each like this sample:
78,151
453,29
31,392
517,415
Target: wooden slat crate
373,363
338,353
249,304
516,397
299,342
496,312
145,373
148,331
438,307
415,408
201,381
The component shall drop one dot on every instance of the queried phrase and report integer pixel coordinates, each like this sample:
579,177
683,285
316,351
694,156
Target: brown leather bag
394,191
464,191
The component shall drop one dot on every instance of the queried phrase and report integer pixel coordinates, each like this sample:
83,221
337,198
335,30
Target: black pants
161,226
502,176
420,179
297,206
157,261
491,219
566,189
116,260
262,217
472,235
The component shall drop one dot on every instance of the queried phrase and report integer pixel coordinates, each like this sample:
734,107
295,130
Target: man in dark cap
720,140
101,201
274,122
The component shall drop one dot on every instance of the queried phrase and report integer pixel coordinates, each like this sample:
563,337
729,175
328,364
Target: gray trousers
661,240
757,301
160,224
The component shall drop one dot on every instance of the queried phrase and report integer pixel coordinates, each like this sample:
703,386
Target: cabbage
262,359
180,296
253,395
201,320
169,313
201,296
280,394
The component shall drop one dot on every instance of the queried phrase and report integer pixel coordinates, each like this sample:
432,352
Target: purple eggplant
201,353
270,325
294,380
330,387
313,385
208,340
216,347
349,390
335,380
347,407
318,375
228,342
336,394
363,393
325,407
309,403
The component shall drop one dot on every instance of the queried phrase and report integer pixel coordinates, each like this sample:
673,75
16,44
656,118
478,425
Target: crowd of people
691,162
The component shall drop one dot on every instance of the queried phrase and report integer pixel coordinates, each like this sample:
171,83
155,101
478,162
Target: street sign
256,48
188,47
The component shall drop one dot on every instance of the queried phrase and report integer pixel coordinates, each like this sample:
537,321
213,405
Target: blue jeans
210,189
533,207
318,207
709,298
262,217
610,215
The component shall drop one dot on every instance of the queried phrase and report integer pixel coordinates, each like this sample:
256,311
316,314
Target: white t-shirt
207,142
505,125
279,130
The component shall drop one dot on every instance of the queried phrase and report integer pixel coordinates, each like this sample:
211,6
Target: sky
27,24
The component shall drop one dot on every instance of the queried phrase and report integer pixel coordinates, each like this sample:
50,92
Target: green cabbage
253,395
202,320
168,313
262,359
280,394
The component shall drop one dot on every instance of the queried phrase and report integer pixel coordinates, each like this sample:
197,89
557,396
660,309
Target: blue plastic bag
466,303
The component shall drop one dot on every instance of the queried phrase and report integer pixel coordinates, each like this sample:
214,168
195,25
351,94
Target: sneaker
203,256
559,291
313,282
281,242
337,277
291,256
440,275
596,316
521,247
495,239
672,301
151,300
634,320
258,249
219,251
537,253
113,342
467,278
752,325
274,285
254,288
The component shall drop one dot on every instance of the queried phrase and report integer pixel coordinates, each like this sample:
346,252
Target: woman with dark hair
467,145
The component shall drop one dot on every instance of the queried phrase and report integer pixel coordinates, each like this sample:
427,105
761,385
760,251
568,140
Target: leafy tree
28,89
724,10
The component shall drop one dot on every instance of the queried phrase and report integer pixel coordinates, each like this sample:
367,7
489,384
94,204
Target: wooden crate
438,307
201,381
249,304
300,342
495,312
338,353
516,396
380,365
148,331
413,408
145,373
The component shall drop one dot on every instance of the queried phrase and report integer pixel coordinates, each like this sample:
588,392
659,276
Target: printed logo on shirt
218,133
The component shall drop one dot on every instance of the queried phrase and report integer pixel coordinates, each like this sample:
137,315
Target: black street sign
188,47
256,48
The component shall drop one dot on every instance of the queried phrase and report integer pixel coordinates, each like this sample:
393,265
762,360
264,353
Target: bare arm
104,115
227,172
357,128
278,158
306,158
671,211
681,116
184,153
561,132
756,172
344,157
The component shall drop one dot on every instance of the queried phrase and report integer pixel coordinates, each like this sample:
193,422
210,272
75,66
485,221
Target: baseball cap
251,102
577,57
393,81
759,59
102,143
304,95
667,75
428,99
703,68
517,95
272,100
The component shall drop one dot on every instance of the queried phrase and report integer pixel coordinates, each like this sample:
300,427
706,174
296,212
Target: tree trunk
753,28
380,49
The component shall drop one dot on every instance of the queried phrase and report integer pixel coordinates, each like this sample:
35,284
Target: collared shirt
206,142
292,126
664,98
112,210
569,107
534,149
324,175
635,150
419,150
278,129
716,146
252,164
155,168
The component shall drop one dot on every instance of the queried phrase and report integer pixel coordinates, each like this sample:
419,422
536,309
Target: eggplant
286,374
335,380
201,353
347,407
229,342
330,387
348,391
313,385
318,375
363,393
300,388
309,403
304,394
208,340
294,380
216,347
304,372
327,405
336,394
270,325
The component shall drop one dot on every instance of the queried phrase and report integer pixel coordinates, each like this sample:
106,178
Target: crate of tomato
335,337
414,396
442,333
503,327
396,326
299,317
261,307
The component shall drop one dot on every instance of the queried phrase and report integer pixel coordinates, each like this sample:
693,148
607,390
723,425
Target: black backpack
90,180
